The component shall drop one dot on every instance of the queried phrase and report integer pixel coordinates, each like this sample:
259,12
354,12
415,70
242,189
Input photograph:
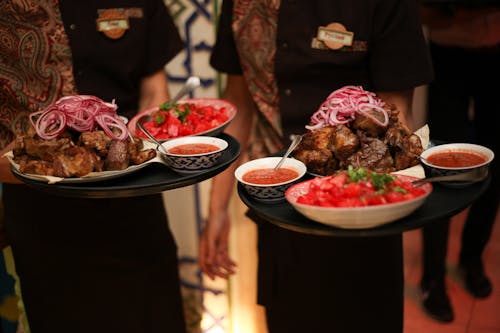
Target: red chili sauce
269,176
456,159
193,148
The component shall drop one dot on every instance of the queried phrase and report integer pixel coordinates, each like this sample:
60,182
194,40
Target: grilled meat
374,155
318,161
118,156
345,142
97,140
362,143
75,162
407,152
68,157
138,155
367,125
37,167
44,149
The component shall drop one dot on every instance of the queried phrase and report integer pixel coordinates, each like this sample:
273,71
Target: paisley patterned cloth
254,27
35,62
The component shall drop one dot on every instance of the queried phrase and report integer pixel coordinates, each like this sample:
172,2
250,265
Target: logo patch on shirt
113,22
336,37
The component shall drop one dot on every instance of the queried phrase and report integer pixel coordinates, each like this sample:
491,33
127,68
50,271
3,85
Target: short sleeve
164,39
399,55
224,57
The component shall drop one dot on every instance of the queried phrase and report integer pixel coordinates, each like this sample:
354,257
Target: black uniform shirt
149,43
391,52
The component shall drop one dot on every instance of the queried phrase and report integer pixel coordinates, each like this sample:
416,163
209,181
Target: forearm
154,90
239,128
6,176
403,101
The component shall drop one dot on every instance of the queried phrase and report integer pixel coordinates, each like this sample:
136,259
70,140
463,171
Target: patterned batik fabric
254,28
35,62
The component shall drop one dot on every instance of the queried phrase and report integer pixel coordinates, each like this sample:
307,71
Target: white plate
91,177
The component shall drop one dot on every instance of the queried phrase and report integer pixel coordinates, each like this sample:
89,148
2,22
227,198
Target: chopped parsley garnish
181,111
355,175
381,180
159,119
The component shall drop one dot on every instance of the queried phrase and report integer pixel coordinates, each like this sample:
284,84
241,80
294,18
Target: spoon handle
295,142
192,83
150,136
472,176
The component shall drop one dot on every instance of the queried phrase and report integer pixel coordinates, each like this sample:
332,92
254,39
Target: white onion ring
82,113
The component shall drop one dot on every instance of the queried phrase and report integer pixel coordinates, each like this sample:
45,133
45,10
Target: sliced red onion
81,113
343,105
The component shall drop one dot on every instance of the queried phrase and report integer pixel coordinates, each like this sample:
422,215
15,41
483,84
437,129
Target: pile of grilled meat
77,154
361,143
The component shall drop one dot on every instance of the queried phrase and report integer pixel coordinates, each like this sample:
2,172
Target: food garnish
82,113
345,104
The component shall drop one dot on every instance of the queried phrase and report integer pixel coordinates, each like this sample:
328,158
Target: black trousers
462,76
330,284
94,265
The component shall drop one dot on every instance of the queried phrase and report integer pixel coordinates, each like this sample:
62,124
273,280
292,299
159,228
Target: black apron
94,265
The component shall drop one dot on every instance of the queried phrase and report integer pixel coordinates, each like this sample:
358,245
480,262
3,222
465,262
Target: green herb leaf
159,119
355,175
399,189
379,181
166,106
183,114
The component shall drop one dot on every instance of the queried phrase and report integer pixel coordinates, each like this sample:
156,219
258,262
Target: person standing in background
278,75
465,49
88,265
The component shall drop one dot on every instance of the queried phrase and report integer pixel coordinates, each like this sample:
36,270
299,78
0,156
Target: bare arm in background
213,251
403,101
154,90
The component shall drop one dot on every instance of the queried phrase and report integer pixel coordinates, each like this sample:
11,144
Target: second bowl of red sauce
265,184
454,158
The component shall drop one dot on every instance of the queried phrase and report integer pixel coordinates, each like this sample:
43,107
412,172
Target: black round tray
152,179
443,202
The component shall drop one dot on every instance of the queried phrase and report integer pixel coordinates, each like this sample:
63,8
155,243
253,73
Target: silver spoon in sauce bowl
296,139
149,135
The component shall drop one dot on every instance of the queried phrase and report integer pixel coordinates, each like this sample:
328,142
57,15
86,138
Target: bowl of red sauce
455,158
265,184
192,154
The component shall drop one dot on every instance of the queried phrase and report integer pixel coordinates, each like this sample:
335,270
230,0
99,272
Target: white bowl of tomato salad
357,198
455,158
192,154
265,184
194,116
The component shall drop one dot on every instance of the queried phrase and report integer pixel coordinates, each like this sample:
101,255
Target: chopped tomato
358,188
184,119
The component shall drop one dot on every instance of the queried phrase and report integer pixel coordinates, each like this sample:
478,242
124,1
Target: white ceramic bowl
434,171
269,193
187,164
355,217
